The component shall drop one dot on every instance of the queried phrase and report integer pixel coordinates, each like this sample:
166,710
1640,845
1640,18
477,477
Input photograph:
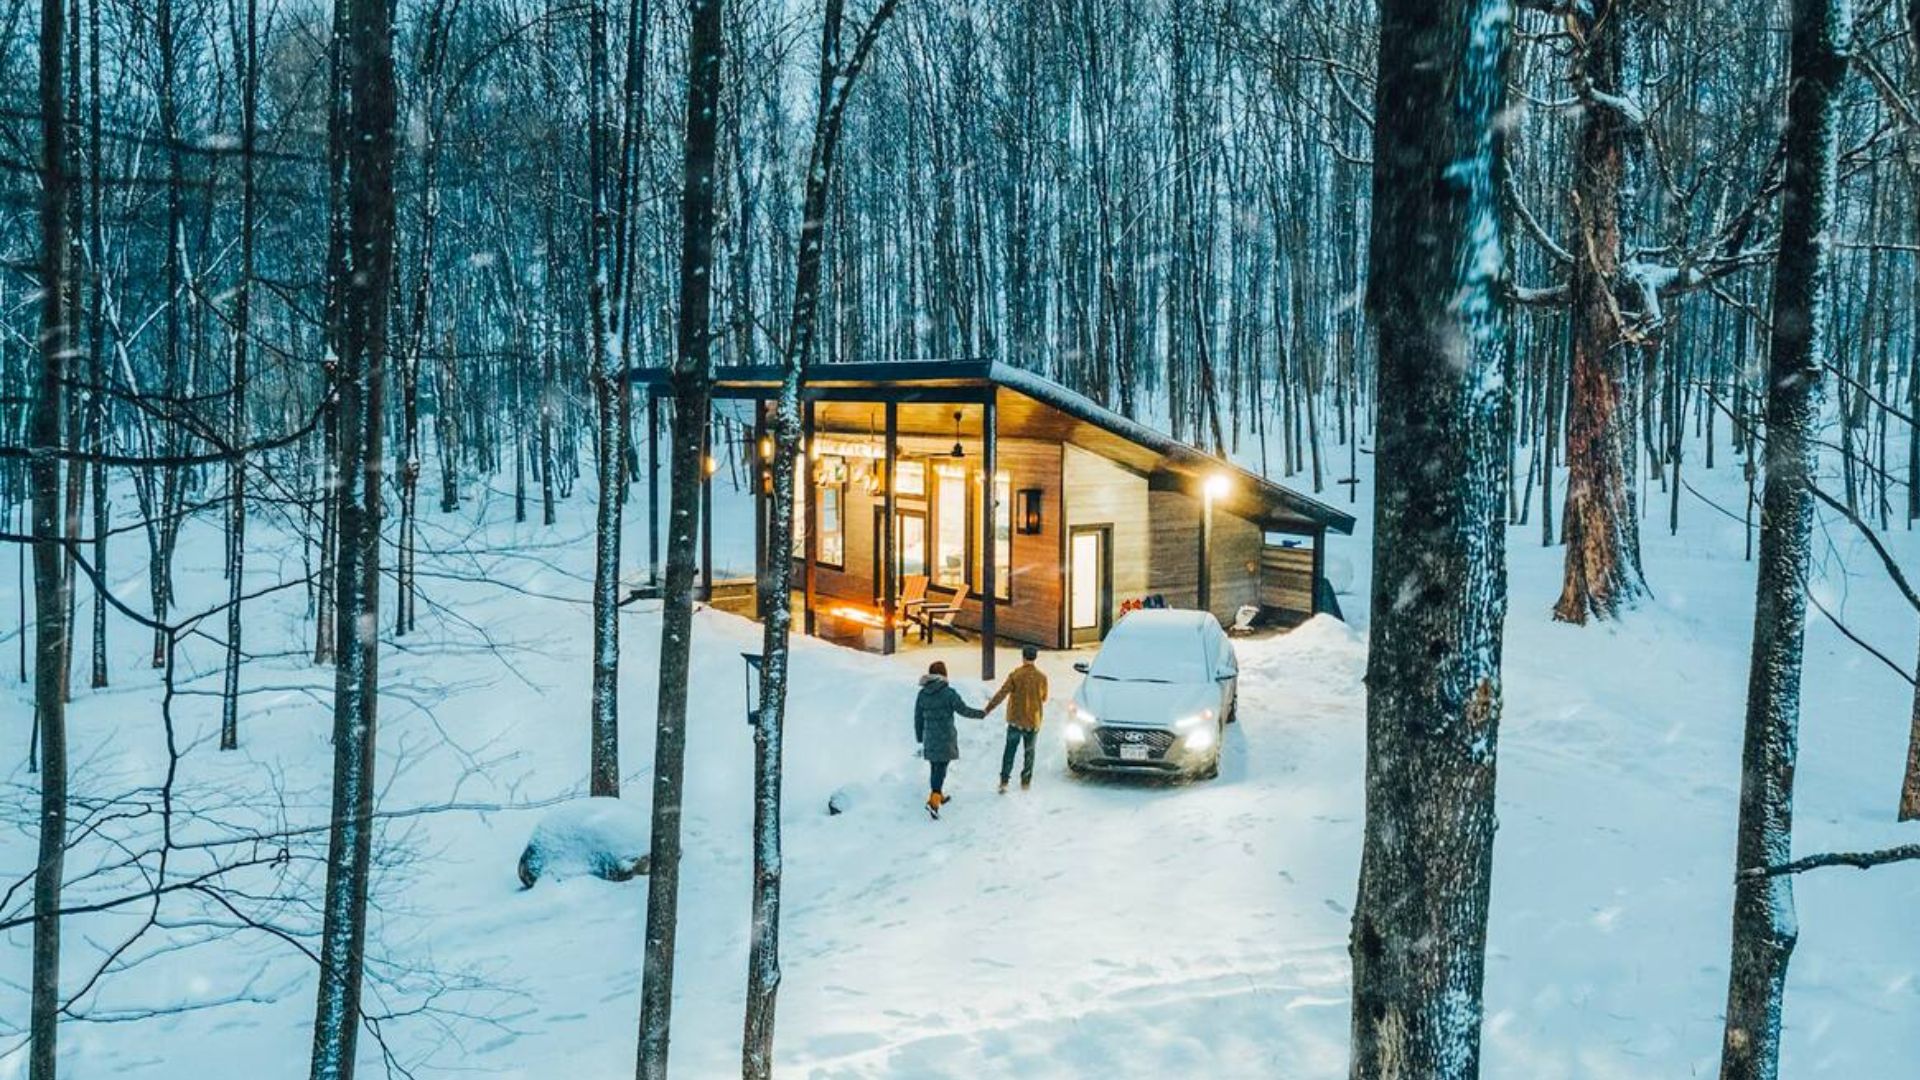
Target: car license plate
1134,753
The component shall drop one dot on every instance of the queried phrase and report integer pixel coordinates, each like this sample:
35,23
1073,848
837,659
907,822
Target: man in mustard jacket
1025,692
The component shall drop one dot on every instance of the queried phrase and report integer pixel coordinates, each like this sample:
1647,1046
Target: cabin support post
989,556
1319,570
653,484
706,508
1204,593
760,466
889,588
810,550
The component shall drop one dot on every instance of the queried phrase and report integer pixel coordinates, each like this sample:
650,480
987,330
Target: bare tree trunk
49,558
692,391
1910,784
1433,673
96,347
837,78
609,382
237,417
1602,525
366,54
1763,917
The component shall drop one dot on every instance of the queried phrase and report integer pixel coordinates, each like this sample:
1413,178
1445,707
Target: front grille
1155,740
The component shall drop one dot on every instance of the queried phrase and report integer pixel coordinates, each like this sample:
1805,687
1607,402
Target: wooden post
989,454
706,509
888,587
760,466
811,548
1203,598
653,484
1319,570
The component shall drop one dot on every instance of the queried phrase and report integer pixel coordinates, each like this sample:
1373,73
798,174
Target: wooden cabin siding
1286,579
1101,492
1175,555
1038,589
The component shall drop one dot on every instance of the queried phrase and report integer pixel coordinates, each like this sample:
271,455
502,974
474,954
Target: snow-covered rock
602,837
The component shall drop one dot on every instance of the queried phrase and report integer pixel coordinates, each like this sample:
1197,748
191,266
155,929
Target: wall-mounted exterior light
1030,512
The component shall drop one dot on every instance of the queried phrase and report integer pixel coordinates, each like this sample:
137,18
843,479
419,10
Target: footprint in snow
1335,906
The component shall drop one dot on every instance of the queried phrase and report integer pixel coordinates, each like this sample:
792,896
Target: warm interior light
1217,485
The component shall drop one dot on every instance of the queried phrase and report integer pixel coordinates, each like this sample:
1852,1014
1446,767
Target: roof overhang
1170,464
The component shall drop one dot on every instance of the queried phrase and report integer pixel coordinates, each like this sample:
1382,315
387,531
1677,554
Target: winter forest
428,430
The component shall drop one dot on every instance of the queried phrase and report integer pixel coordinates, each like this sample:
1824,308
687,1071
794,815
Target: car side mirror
1081,666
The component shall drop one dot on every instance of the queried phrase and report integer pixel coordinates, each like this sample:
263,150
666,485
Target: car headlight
1188,723
1075,732
1200,739
1081,714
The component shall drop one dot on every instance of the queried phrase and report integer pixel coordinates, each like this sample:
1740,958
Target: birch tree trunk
1764,928
1439,585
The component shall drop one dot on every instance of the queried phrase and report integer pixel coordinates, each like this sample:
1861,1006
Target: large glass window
910,479
950,526
829,516
800,501
1003,536
912,537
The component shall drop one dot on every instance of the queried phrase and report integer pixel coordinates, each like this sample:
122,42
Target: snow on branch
1625,107
1531,225
1860,860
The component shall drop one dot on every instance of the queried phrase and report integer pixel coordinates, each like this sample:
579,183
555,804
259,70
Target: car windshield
1152,650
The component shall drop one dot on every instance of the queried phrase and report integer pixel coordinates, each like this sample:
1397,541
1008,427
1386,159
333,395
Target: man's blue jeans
1018,737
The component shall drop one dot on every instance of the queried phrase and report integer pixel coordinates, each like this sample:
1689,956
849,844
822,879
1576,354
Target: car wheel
1076,768
1212,771
1233,711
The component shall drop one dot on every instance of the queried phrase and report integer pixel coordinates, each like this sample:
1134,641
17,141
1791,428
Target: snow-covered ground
1085,928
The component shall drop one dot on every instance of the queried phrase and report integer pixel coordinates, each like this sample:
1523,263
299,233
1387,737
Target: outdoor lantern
753,687
1030,511
958,450
766,448
708,466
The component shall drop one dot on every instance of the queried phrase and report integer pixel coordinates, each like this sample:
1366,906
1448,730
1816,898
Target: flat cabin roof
927,393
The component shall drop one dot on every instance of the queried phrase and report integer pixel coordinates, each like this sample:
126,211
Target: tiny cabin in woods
1087,514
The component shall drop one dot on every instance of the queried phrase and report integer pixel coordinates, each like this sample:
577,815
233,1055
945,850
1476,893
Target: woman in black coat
933,729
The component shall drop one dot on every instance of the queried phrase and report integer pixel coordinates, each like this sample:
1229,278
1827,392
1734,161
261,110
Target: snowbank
599,837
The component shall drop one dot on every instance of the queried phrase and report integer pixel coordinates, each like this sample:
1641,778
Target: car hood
1145,704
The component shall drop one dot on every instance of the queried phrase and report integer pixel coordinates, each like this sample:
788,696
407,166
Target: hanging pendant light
959,451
